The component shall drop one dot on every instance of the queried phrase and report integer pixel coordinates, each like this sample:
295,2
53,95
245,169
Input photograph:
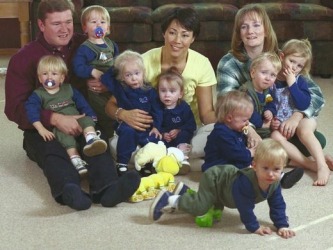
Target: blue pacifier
99,32
49,83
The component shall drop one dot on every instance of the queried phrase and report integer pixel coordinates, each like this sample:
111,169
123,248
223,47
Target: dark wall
9,33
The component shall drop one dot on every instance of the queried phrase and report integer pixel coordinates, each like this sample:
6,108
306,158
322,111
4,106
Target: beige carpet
31,219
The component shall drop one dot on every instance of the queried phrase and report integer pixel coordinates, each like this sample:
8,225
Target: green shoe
207,220
217,215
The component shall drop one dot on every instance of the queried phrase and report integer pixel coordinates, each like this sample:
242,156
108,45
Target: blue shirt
145,98
226,146
181,117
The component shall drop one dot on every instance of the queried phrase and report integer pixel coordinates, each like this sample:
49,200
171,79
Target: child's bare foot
329,161
323,175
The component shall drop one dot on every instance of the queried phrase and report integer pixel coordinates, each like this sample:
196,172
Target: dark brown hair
171,75
51,6
186,17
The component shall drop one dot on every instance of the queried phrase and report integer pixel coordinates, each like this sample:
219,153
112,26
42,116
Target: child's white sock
173,200
90,135
75,159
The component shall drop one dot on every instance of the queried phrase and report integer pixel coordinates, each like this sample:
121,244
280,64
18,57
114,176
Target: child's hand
275,124
155,132
290,76
167,137
173,133
268,115
95,73
252,150
286,233
263,230
253,138
47,135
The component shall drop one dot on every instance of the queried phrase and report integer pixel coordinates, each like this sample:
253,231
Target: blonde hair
271,152
301,48
100,10
257,12
52,63
172,76
270,56
130,56
231,101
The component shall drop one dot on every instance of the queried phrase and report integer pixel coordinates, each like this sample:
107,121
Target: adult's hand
135,118
288,127
95,85
68,124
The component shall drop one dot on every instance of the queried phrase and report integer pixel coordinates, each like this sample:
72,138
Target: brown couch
136,24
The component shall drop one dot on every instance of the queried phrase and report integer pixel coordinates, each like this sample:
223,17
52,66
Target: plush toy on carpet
152,184
162,158
166,162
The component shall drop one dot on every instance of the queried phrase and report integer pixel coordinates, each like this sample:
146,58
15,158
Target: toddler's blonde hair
300,48
100,10
52,63
130,56
231,101
271,152
270,56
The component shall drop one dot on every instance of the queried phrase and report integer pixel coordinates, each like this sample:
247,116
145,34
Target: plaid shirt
232,73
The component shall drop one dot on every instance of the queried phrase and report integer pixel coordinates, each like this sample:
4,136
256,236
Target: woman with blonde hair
253,34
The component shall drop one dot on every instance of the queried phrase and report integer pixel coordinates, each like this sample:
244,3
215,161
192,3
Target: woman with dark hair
180,28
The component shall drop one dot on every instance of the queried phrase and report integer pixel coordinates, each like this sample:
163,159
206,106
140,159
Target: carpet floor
31,219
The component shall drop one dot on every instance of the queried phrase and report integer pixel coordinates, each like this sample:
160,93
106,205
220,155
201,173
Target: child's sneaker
207,220
79,165
161,205
95,146
121,169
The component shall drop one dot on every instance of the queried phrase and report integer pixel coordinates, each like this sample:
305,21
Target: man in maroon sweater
55,21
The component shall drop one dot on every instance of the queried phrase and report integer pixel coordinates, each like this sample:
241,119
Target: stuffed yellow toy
163,159
166,163
152,184
150,153
169,163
